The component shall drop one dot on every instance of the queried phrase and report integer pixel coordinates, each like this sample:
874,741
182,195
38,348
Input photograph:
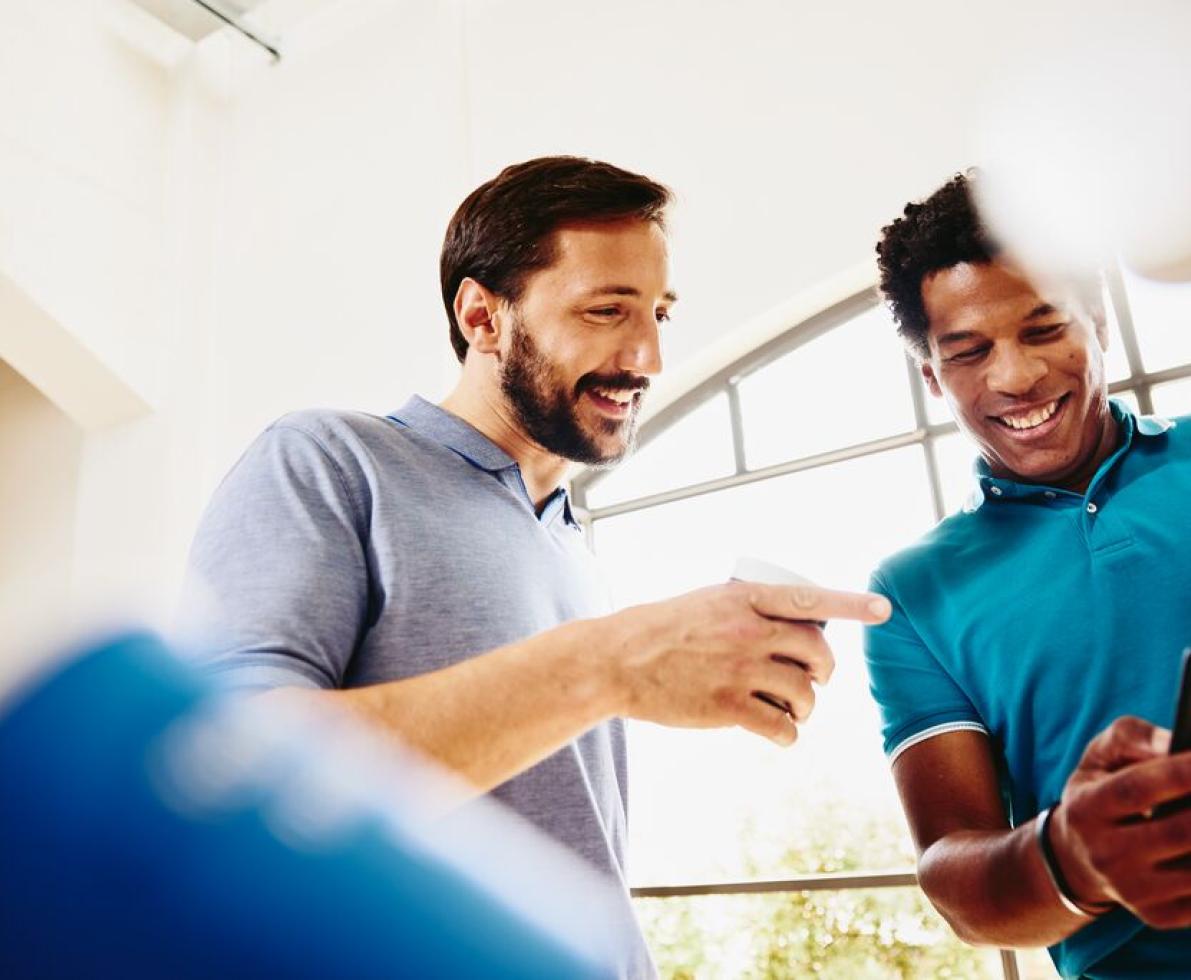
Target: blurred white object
1085,146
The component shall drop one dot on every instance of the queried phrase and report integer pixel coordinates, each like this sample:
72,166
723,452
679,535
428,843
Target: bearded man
425,571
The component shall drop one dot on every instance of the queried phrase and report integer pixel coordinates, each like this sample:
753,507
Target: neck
487,411
1110,434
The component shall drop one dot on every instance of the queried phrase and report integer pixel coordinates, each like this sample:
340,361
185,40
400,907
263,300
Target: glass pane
955,455
709,804
1173,398
846,387
858,934
697,447
1162,317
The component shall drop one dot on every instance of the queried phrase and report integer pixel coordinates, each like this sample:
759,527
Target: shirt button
995,491
1050,495
1092,508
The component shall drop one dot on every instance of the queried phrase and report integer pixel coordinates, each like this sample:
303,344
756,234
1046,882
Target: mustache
620,381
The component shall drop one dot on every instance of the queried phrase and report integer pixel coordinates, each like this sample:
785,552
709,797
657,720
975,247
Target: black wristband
1051,863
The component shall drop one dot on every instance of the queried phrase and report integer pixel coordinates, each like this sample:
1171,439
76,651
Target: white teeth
620,397
1031,420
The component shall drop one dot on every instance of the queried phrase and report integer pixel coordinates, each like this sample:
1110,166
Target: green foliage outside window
851,934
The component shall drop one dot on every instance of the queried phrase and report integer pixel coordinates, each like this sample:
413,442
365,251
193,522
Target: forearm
493,716
993,889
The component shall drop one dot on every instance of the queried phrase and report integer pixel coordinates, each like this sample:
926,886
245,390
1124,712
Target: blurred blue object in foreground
148,830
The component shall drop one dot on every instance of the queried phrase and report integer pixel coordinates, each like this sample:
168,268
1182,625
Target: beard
548,410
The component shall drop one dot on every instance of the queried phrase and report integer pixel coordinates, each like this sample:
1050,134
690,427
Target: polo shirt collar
990,487
449,430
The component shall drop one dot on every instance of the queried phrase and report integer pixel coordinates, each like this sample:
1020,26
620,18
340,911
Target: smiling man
425,571
1033,652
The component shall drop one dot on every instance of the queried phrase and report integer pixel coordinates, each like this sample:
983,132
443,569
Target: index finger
813,602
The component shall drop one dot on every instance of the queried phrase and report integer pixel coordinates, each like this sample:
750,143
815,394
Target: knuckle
1125,793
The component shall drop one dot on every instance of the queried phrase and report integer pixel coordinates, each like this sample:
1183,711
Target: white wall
792,131
232,239
40,458
235,239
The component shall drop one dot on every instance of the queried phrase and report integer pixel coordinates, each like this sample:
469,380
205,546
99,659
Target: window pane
955,455
855,934
846,387
697,447
708,804
1162,316
1172,398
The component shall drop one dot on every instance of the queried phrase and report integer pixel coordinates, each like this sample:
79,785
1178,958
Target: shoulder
334,430
951,536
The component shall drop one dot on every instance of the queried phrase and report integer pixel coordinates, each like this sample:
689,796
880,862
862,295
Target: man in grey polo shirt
425,571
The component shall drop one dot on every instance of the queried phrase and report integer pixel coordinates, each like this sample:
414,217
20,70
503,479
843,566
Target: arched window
811,443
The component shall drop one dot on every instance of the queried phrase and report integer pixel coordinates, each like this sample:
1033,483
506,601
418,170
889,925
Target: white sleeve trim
945,728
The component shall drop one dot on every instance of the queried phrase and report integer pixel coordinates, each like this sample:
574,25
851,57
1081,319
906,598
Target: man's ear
476,312
1100,323
932,382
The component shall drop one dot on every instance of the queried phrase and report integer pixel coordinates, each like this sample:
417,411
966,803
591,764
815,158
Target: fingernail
880,607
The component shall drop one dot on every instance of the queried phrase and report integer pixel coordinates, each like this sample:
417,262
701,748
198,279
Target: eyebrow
669,295
955,337
1042,309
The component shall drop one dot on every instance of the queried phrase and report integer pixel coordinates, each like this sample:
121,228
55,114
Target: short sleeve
276,591
917,697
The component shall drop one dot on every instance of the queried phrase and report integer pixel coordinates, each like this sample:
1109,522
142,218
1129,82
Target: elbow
941,894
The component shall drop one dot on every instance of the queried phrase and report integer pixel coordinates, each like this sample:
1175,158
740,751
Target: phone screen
1180,731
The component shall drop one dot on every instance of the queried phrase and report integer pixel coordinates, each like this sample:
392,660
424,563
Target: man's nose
1016,370
641,352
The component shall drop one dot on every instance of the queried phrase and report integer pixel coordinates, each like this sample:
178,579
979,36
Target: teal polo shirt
1038,616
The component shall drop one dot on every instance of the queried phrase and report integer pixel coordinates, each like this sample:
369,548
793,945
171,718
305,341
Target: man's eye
605,311
966,356
1047,332
663,316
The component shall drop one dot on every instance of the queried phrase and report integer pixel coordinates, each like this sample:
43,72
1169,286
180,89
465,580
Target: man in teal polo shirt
1028,673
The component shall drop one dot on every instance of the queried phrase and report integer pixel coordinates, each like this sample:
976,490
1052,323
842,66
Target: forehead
627,253
977,296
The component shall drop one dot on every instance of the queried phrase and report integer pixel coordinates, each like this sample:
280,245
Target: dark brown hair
504,230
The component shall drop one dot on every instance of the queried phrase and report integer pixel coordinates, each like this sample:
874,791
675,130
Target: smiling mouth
617,402
1031,419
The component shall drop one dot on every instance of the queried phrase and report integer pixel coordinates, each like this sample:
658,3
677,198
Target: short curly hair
935,234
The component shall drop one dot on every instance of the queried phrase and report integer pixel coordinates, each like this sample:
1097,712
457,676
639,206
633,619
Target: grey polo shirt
345,549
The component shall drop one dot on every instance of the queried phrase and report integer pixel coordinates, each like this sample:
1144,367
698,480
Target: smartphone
1180,733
